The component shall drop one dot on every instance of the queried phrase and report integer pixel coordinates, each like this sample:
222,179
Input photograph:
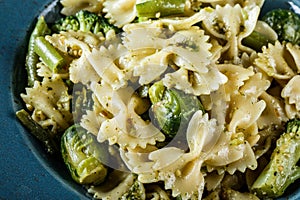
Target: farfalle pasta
53,110
120,12
70,7
80,45
273,62
178,101
192,56
126,128
102,61
291,95
230,24
179,170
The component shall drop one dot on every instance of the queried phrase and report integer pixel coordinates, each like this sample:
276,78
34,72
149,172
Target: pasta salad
173,99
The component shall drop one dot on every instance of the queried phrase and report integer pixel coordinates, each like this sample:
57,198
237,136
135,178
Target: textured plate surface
26,172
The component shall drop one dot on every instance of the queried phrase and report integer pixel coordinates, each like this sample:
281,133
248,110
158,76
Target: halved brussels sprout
83,154
172,109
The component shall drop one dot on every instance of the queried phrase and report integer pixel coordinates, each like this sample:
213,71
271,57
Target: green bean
32,58
49,55
157,8
36,130
256,41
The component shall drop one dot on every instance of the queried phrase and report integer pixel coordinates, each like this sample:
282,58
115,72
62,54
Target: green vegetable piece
40,29
157,8
285,23
256,41
83,154
189,104
166,109
230,194
49,55
135,192
66,24
84,21
282,170
172,109
104,26
36,130
87,20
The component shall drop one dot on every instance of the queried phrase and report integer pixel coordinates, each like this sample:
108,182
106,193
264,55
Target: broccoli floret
285,23
282,170
87,20
65,24
104,26
84,21
135,192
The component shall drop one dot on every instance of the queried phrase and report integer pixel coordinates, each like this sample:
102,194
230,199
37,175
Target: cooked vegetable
87,20
49,55
120,185
196,50
285,23
157,8
135,192
43,135
41,29
166,109
230,194
256,41
261,36
67,23
172,108
282,170
84,21
83,155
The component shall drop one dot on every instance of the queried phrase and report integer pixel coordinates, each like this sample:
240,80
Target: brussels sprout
172,109
83,154
285,23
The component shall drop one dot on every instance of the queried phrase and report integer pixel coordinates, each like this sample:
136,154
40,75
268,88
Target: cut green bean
256,41
36,130
157,8
49,55
32,58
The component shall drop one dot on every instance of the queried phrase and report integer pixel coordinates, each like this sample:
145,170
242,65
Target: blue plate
26,171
